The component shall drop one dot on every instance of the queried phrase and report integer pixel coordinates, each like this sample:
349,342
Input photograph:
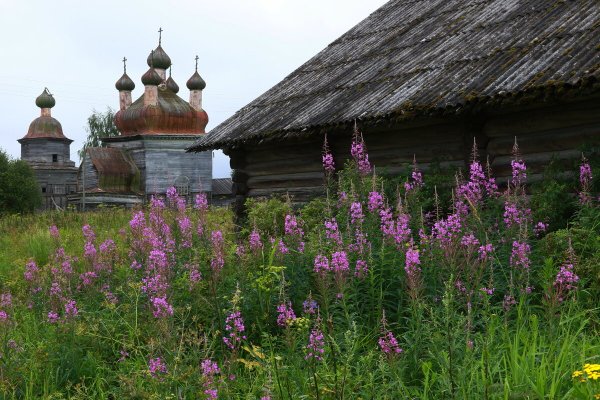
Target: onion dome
44,126
196,82
45,100
125,83
172,115
159,59
172,86
151,77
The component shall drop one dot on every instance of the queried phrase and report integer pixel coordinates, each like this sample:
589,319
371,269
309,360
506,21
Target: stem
314,374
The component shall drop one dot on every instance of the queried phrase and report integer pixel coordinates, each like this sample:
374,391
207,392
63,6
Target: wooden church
48,151
424,78
149,155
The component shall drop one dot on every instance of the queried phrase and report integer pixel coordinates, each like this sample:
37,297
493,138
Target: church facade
149,155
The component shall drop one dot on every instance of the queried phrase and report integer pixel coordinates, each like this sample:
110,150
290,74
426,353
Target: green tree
19,190
99,125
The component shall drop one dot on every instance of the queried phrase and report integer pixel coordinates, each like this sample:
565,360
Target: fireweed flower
217,261
485,251
285,314
585,180
520,255
321,264
157,367
328,163
54,232
387,341
508,302
356,213
332,231
519,172
310,306
339,262
540,228
358,150
71,309
210,370
201,202
566,278
88,233
412,268
31,271
361,244
446,230
402,231
361,269
316,345
53,317
3,316
5,300
234,326
161,307
375,201
291,227
469,241
254,241
387,222
185,229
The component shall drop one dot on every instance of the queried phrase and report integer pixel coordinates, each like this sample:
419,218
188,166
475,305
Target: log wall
294,167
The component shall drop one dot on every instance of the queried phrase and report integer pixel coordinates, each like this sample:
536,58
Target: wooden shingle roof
421,57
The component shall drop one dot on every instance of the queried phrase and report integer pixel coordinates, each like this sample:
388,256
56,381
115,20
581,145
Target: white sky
75,47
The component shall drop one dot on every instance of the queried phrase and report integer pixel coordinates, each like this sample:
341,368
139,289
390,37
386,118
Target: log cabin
424,78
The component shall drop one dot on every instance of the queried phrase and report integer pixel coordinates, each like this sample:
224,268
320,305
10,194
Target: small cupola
171,84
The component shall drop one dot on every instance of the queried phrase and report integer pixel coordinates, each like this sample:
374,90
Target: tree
99,125
19,190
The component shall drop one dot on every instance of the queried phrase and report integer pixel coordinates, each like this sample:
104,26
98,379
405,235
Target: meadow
426,286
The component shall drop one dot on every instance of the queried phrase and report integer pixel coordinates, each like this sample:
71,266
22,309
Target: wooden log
551,140
299,192
284,165
525,122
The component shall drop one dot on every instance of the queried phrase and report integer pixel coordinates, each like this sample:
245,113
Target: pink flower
71,309
520,255
375,201
157,367
316,345
356,214
161,307
285,314
234,327
321,264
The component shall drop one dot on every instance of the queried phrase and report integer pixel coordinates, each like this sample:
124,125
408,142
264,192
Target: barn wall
294,166
542,135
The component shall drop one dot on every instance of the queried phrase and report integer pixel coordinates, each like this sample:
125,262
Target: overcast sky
75,49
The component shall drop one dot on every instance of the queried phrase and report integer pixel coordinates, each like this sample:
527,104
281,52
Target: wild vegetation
382,289
19,191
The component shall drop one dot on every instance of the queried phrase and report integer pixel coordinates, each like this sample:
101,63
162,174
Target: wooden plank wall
551,133
294,166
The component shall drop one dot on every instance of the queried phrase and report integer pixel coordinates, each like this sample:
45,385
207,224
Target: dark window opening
43,189
54,157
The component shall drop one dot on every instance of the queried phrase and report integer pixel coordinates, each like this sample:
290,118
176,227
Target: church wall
167,164
42,150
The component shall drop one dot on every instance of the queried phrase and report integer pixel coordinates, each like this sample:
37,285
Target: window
54,157
43,188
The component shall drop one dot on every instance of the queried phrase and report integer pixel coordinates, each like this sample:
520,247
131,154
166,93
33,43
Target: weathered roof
221,186
171,115
413,57
45,127
117,171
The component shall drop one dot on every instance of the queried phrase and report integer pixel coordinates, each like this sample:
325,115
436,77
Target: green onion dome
125,83
45,100
196,82
151,77
159,59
